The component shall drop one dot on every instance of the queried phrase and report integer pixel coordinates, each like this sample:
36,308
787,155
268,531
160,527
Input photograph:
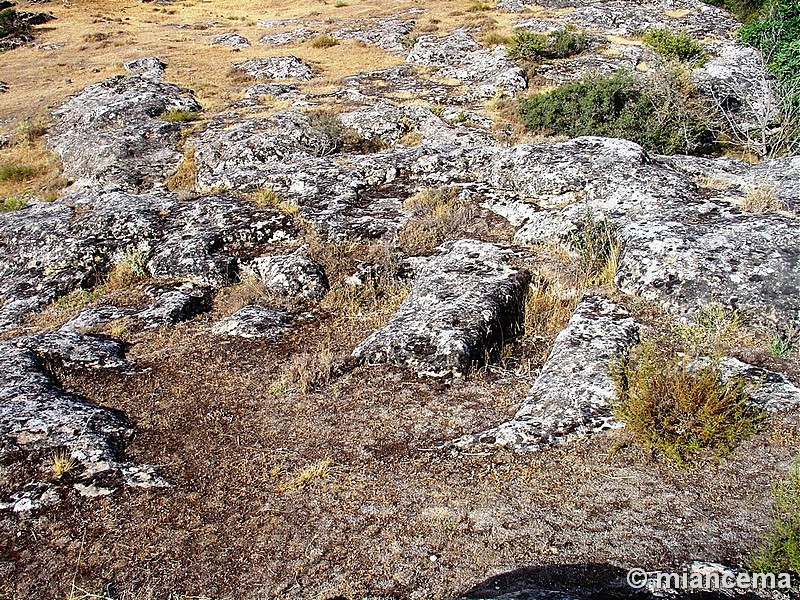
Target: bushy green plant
529,46
17,173
745,10
777,34
680,409
780,550
680,46
325,134
11,24
12,203
618,106
177,115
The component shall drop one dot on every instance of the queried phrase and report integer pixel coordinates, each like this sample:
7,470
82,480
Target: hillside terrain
399,299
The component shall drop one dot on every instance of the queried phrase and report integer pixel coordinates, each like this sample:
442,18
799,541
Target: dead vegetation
679,408
436,215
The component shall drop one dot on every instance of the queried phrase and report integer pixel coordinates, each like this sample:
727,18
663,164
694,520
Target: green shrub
680,46
178,115
617,106
678,409
11,24
17,173
745,10
780,550
777,34
529,46
13,203
325,135
324,41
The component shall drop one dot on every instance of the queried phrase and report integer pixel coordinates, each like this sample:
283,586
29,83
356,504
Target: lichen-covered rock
96,315
388,33
150,67
276,67
292,36
291,275
768,389
234,41
277,90
684,248
112,132
74,350
465,303
487,72
35,414
735,81
54,248
255,322
574,390
174,303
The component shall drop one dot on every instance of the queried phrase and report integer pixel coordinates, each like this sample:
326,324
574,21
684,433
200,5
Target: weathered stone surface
488,72
278,90
736,82
35,414
53,248
386,33
255,322
112,133
232,40
74,350
96,315
288,37
276,67
291,275
573,392
683,249
397,81
768,389
174,303
464,304
149,67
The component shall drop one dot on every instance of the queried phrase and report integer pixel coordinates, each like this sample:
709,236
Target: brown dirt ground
232,434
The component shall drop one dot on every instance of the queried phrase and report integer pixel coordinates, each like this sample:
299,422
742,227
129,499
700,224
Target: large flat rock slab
466,302
572,395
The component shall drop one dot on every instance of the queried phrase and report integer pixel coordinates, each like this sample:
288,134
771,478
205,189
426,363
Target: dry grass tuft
436,215
715,329
548,308
762,200
321,469
250,290
324,41
599,246
62,463
680,409
185,177
309,370
28,169
130,269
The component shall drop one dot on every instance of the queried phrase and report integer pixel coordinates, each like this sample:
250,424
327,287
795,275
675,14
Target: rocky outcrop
389,33
37,415
113,133
234,41
458,55
255,322
684,248
276,67
63,245
292,36
465,303
573,393
291,275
